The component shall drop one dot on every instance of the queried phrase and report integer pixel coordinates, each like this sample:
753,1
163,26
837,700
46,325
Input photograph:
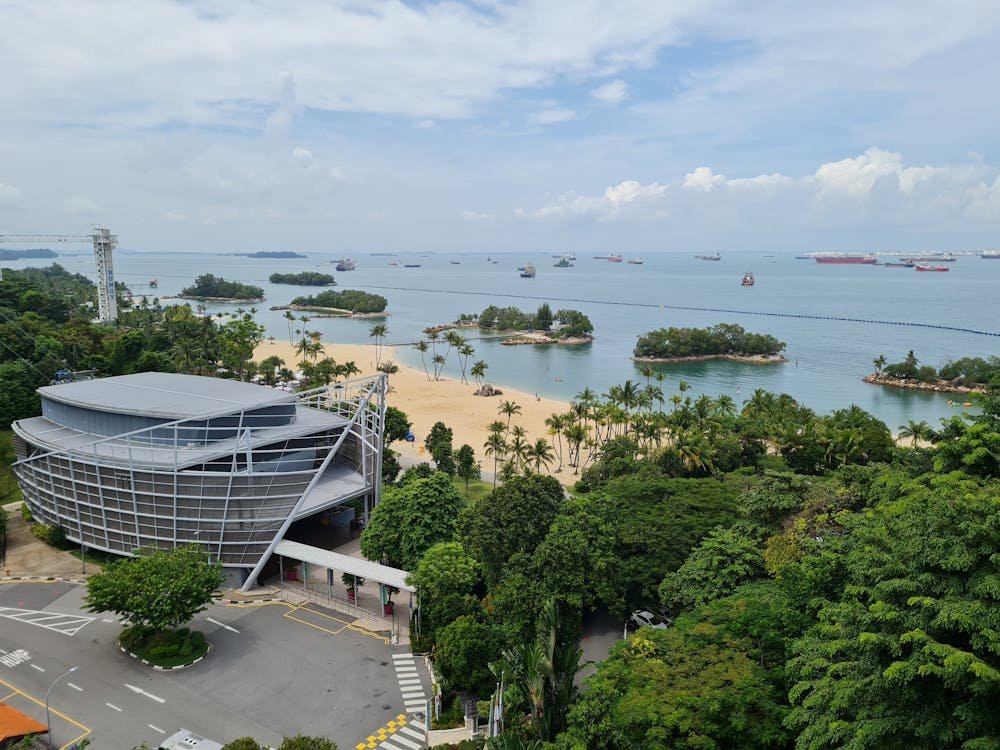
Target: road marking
140,691
65,624
75,687
13,658
112,705
155,728
406,742
399,657
106,619
222,625
412,732
85,730
35,666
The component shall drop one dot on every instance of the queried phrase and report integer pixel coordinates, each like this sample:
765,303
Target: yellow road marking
8,697
382,733
60,714
292,609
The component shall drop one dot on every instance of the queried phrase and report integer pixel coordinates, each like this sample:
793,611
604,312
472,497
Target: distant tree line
348,299
572,323
968,371
208,285
305,278
724,338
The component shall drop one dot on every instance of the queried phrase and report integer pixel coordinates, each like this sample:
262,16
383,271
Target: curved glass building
161,459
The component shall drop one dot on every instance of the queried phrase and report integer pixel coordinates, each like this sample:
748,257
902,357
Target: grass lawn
477,488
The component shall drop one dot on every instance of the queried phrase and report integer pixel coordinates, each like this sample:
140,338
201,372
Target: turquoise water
827,358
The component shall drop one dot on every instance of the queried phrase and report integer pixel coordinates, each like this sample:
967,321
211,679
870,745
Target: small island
216,289
38,252
305,278
339,304
965,375
280,254
723,341
541,327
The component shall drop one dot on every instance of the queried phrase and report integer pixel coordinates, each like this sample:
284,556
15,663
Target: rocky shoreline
750,359
219,300
940,386
331,312
538,339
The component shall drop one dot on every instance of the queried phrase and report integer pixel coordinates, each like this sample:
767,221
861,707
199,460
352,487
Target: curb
11,579
164,669
247,601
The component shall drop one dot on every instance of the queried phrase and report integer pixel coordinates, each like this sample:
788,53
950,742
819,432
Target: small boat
345,264
456,262
635,261
411,265
713,256
528,272
931,258
153,283
934,269
748,279
900,264
393,262
563,263
803,257
615,258
847,258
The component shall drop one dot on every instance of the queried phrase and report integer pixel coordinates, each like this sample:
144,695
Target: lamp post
48,722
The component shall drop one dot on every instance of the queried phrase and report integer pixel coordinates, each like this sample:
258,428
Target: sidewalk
29,556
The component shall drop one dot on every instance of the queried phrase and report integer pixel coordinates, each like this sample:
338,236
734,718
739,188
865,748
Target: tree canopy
209,286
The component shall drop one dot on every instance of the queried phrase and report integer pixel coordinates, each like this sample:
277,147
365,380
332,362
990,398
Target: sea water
826,358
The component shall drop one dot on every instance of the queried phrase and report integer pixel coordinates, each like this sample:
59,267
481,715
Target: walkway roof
366,569
14,725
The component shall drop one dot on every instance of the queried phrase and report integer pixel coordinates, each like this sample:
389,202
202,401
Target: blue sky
647,126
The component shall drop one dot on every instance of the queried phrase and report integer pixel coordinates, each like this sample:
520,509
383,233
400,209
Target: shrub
26,513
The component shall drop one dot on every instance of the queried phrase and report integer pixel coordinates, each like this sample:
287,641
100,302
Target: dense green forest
348,299
38,252
562,323
822,586
721,339
304,278
973,372
209,286
279,254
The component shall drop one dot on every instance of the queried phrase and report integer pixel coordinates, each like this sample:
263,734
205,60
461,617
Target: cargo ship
929,259
713,256
869,260
528,272
615,258
990,255
748,279
935,269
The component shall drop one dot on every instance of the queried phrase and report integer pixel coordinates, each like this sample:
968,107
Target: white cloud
174,216
551,116
615,199
613,92
631,191
9,195
857,175
702,178
476,215
77,204
301,154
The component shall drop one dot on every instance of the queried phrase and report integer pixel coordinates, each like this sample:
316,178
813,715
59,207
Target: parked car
645,619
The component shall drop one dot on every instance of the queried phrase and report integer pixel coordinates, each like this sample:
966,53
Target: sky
483,126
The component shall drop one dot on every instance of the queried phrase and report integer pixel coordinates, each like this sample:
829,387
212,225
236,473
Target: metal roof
165,394
366,569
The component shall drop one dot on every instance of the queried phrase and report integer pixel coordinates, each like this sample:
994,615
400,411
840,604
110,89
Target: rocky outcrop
938,386
487,390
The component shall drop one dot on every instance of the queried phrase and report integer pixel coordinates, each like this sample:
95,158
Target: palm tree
478,371
464,352
438,362
378,333
556,424
647,371
421,346
289,316
915,430
540,453
518,449
510,409
575,435
495,446
879,363
186,354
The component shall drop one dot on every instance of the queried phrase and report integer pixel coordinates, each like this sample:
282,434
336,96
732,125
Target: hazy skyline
557,124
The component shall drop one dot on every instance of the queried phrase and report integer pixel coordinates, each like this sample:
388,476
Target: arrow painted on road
221,625
140,691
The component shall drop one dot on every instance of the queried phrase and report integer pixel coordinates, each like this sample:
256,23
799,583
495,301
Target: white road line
155,728
404,741
75,687
420,725
402,656
140,691
414,681
106,619
414,705
387,744
222,625
412,732
35,666
406,670
112,705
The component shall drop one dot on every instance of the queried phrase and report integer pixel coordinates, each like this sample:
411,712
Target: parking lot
275,670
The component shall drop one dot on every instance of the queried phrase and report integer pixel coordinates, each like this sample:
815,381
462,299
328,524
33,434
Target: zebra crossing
60,623
408,731
410,685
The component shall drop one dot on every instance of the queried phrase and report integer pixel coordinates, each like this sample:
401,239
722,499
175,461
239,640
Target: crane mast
104,244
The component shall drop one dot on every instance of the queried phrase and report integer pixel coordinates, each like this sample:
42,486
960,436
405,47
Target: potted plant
387,607
353,583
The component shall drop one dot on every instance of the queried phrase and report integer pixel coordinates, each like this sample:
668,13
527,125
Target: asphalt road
274,671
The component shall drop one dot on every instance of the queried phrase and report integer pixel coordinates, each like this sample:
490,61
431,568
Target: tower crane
104,244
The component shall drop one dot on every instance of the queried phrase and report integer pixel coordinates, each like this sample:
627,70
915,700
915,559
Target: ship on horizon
858,259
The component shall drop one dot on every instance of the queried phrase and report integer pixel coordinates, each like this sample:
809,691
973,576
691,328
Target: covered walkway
356,572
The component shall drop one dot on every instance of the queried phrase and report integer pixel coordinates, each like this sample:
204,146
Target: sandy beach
447,400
